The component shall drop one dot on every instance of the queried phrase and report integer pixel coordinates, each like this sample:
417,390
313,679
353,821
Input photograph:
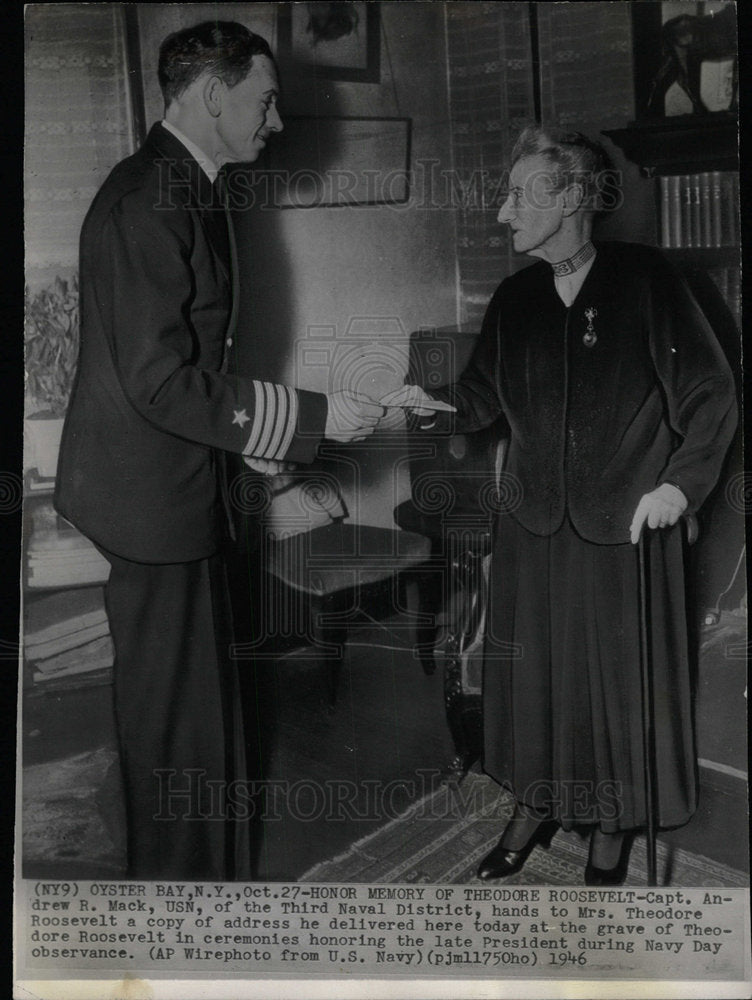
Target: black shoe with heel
502,861
595,875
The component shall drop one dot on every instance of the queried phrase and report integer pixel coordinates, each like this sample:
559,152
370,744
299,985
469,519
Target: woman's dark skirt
562,701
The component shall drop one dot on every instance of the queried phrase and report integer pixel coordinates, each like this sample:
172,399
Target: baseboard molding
723,777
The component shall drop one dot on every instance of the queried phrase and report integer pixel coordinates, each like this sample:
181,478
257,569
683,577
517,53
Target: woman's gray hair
575,159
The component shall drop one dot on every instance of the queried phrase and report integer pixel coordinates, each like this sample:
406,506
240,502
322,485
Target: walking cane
648,727
648,736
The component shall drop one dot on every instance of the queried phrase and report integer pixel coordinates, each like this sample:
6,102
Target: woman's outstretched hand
415,399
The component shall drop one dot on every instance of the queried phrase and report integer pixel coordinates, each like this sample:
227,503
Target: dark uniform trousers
182,768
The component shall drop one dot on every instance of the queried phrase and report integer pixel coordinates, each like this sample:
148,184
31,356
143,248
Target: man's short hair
222,48
574,158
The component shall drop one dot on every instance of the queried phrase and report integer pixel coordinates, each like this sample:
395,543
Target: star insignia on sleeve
241,418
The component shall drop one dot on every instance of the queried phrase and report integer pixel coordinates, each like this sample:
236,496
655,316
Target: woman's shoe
502,861
595,875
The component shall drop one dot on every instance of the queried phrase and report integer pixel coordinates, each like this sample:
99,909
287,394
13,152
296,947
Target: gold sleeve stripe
259,416
277,427
274,420
291,413
270,420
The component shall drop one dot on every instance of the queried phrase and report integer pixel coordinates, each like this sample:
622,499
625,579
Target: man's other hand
268,466
351,416
660,508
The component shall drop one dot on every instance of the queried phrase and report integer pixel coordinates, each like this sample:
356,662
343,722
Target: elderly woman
620,408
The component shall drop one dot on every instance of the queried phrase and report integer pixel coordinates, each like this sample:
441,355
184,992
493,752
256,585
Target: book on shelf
66,611
666,213
728,281
695,211
63,620
67,633
45,543
734,296
64,557
72,681
699,210
715,209
71,640
730,207
95,655
706,209
80,574
687,220
671,212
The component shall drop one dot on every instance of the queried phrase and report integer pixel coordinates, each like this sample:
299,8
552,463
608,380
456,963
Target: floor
332,778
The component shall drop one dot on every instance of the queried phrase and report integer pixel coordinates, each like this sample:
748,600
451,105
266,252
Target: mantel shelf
704,257
686,144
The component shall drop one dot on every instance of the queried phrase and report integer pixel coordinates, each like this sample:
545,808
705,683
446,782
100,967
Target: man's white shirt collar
207,165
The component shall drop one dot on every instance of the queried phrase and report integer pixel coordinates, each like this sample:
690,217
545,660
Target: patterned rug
441,839
72,813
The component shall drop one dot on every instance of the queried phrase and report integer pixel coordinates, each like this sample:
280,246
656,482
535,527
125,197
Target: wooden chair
454,485
329,575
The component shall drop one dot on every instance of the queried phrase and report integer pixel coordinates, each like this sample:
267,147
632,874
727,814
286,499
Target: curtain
490,98
586,64
78,125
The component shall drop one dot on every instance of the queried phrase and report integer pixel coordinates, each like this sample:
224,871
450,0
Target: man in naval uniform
152,415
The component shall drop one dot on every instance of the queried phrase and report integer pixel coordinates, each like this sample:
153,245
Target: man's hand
660,508
416,400
351,416
268,466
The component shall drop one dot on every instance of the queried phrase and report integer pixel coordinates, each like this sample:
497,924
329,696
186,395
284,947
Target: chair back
453,477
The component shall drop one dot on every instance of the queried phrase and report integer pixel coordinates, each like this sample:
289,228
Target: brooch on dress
590,336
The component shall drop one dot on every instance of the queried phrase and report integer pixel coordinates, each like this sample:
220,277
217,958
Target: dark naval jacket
153,403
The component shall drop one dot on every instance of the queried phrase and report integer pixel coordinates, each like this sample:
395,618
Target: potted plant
51,336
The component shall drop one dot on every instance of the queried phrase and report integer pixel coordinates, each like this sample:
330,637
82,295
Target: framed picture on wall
335,40
340,161
685,58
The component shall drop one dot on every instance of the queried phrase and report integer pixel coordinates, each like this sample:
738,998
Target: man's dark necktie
221,195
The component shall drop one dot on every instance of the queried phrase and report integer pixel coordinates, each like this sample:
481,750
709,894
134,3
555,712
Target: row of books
67,633
700,210
729,283
59,555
